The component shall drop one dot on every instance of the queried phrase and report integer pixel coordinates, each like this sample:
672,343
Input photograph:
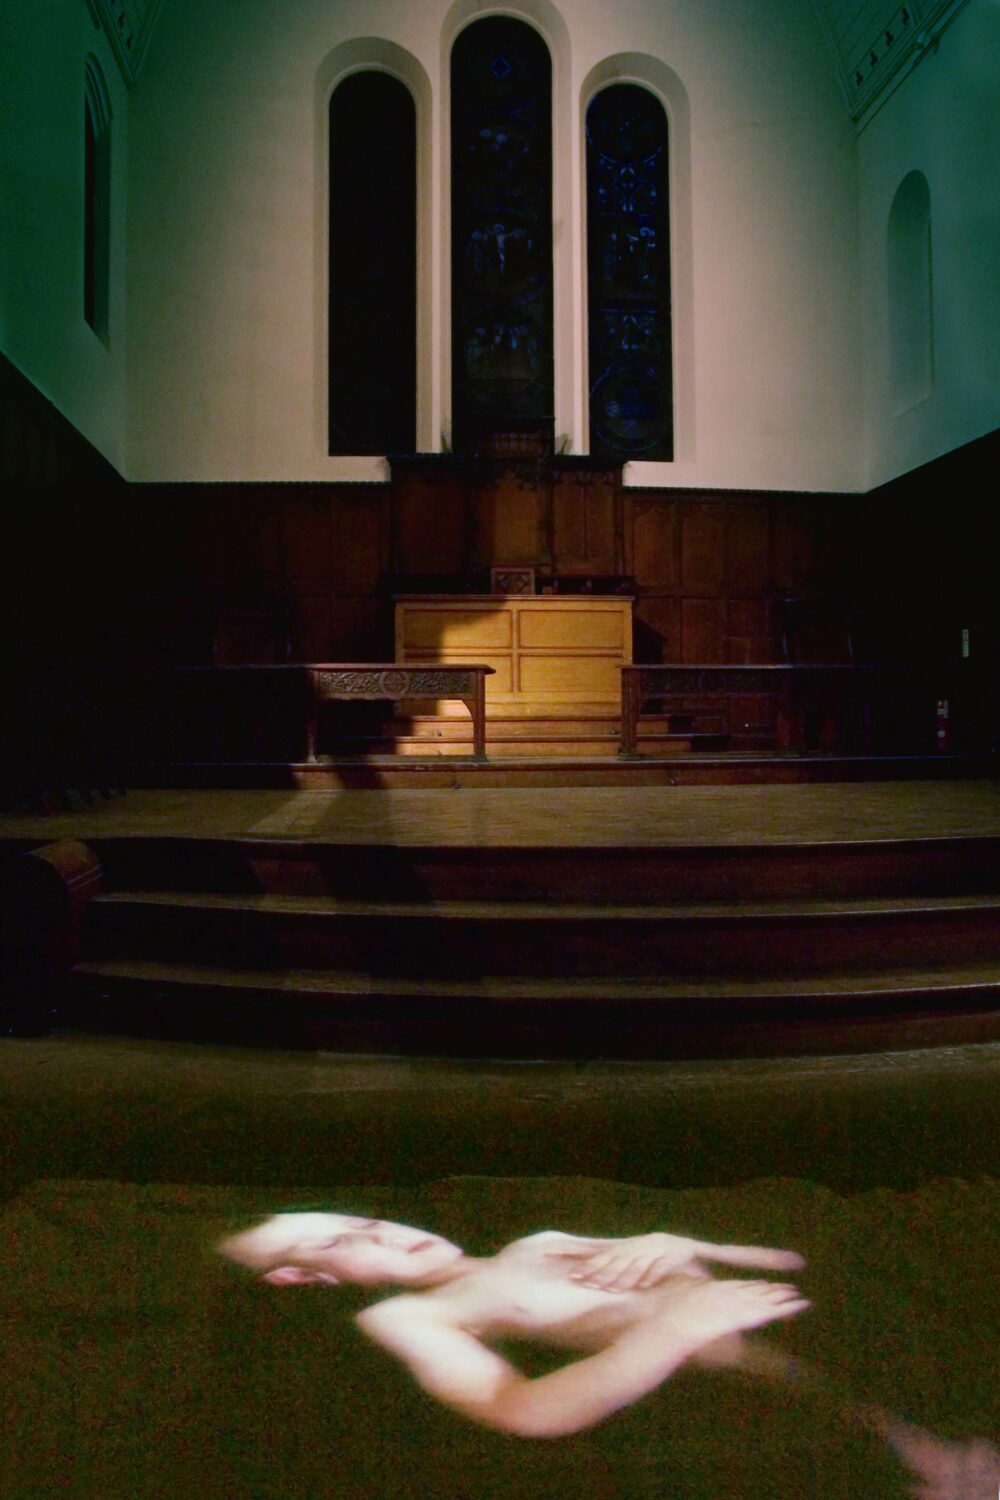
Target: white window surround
650,73
375,54
433,125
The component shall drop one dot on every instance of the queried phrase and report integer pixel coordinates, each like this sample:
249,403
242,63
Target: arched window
373,261
911,329
96,198
628,275
501,247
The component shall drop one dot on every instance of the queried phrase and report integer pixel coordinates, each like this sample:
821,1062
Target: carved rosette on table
394,682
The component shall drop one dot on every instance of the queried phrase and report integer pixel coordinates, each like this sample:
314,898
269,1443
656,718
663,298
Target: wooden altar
556,655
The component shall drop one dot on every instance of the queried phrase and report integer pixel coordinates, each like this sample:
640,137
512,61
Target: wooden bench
377,680
787,687
831,707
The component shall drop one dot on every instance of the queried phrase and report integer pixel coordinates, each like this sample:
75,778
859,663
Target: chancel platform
619,923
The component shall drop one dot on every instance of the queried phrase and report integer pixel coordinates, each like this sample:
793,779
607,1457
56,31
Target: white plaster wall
944,121
227,239
42,327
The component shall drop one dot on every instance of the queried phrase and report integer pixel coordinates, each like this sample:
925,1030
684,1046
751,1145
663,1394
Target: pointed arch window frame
629,313
655,75
355,55
401,433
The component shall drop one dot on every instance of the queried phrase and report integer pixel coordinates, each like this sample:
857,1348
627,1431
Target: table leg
631,706
311,718
477,708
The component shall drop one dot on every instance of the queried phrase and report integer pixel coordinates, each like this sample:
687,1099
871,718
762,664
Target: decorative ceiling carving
876,43
127,25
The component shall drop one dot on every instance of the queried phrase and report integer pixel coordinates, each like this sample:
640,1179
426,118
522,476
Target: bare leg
939,1470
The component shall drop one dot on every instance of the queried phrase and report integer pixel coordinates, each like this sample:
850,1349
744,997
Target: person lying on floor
631,1311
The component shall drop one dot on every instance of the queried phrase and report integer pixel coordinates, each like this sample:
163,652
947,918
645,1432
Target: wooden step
501,745
738,765
464,937
508,866
626,1018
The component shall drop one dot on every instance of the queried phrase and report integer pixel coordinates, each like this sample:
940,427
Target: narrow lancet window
373,266
501,153
628,275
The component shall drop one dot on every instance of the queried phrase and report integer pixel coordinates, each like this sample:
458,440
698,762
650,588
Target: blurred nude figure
631,1311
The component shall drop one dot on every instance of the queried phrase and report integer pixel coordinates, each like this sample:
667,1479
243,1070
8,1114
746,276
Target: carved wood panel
703,549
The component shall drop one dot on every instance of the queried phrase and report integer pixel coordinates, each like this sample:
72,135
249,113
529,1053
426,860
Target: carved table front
376,680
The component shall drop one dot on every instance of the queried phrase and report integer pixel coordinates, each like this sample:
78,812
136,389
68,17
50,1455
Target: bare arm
645,1260
459,1370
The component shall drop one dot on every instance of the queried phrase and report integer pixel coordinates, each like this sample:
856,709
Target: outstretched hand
647,1259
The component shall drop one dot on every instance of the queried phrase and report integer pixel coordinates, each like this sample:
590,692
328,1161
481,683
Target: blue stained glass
628,239
501,229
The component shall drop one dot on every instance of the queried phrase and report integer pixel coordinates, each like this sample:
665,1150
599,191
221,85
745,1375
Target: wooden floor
539,817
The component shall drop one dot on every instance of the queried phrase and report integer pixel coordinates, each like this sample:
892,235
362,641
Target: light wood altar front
552,655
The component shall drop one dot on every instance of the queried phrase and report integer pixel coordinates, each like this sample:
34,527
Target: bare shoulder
548,1239
395,1312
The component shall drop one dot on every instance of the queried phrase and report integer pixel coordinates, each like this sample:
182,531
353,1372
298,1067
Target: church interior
501,715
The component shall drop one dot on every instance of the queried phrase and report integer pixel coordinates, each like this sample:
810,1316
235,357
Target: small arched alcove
910,294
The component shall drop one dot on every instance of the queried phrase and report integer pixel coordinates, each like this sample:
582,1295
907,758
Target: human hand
711,1311
645,1260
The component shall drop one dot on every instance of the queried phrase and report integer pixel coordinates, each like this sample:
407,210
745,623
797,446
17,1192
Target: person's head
297,1249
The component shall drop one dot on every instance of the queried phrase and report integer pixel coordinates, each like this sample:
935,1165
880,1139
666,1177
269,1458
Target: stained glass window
373,260
628,275
501,80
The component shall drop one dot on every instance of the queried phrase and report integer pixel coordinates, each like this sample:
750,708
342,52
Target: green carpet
140,1365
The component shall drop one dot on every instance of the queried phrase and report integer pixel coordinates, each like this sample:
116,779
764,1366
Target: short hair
270,1243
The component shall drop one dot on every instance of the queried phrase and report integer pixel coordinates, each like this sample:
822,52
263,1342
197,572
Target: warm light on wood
552,653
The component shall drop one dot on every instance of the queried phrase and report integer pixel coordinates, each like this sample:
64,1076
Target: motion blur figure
631,1312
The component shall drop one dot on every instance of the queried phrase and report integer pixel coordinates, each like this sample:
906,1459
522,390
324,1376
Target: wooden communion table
549,653
378,680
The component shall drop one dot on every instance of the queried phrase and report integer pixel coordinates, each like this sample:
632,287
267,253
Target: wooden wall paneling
509,519
792,550
747,553
657,629
360,544
190,543
428,521
653,531
251,538
703,549
307,541
749,631
311,633
361,629
586,523
176,630
703,624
